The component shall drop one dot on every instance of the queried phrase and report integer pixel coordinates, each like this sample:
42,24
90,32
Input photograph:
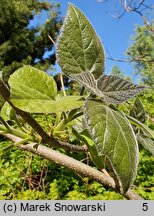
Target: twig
62,84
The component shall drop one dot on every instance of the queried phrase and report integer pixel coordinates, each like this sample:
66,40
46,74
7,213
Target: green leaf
79,49
146,143
85,138
114,138
31,83
7,112
146,130
48,106
138,111
34,91
80,55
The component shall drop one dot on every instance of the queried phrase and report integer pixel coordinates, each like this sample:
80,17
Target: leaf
114,138
146,130
138,111
7,112
79,49
116,90
85,138
31,83
34,91
146,143
48,106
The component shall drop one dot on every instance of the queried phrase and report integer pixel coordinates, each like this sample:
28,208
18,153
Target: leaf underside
114,138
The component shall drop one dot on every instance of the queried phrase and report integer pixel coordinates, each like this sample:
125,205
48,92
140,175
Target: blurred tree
117,72
21,43
142,53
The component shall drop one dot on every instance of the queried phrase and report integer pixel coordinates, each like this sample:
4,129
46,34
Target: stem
13,131
62,84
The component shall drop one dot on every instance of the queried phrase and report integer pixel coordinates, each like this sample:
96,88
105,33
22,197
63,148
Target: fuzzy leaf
114,138
79,49
114,89
147,143
138,111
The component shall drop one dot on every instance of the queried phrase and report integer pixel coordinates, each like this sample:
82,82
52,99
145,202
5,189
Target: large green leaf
114,138
36,105
31,83
34,91
79,49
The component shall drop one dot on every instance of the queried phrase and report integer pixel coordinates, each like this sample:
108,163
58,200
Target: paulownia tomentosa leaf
34,91
81,57
114,138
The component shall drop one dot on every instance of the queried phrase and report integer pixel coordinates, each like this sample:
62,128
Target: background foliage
22,43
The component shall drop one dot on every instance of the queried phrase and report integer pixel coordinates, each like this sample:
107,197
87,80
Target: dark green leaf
79,49
114,138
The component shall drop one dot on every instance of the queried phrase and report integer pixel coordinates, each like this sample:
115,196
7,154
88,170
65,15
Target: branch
72,164
134,59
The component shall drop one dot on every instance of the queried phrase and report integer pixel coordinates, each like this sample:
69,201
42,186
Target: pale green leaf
31,83
79,49
36,105
34,91
147,143
114,138
7,112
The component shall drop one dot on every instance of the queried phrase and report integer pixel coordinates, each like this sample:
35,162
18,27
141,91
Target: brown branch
72,164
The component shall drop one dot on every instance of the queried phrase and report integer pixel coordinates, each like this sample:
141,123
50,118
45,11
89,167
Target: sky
115,34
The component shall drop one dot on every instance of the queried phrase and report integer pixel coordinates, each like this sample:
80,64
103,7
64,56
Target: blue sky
115,33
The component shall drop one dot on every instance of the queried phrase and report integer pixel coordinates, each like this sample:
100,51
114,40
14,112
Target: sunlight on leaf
34,91
114,138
